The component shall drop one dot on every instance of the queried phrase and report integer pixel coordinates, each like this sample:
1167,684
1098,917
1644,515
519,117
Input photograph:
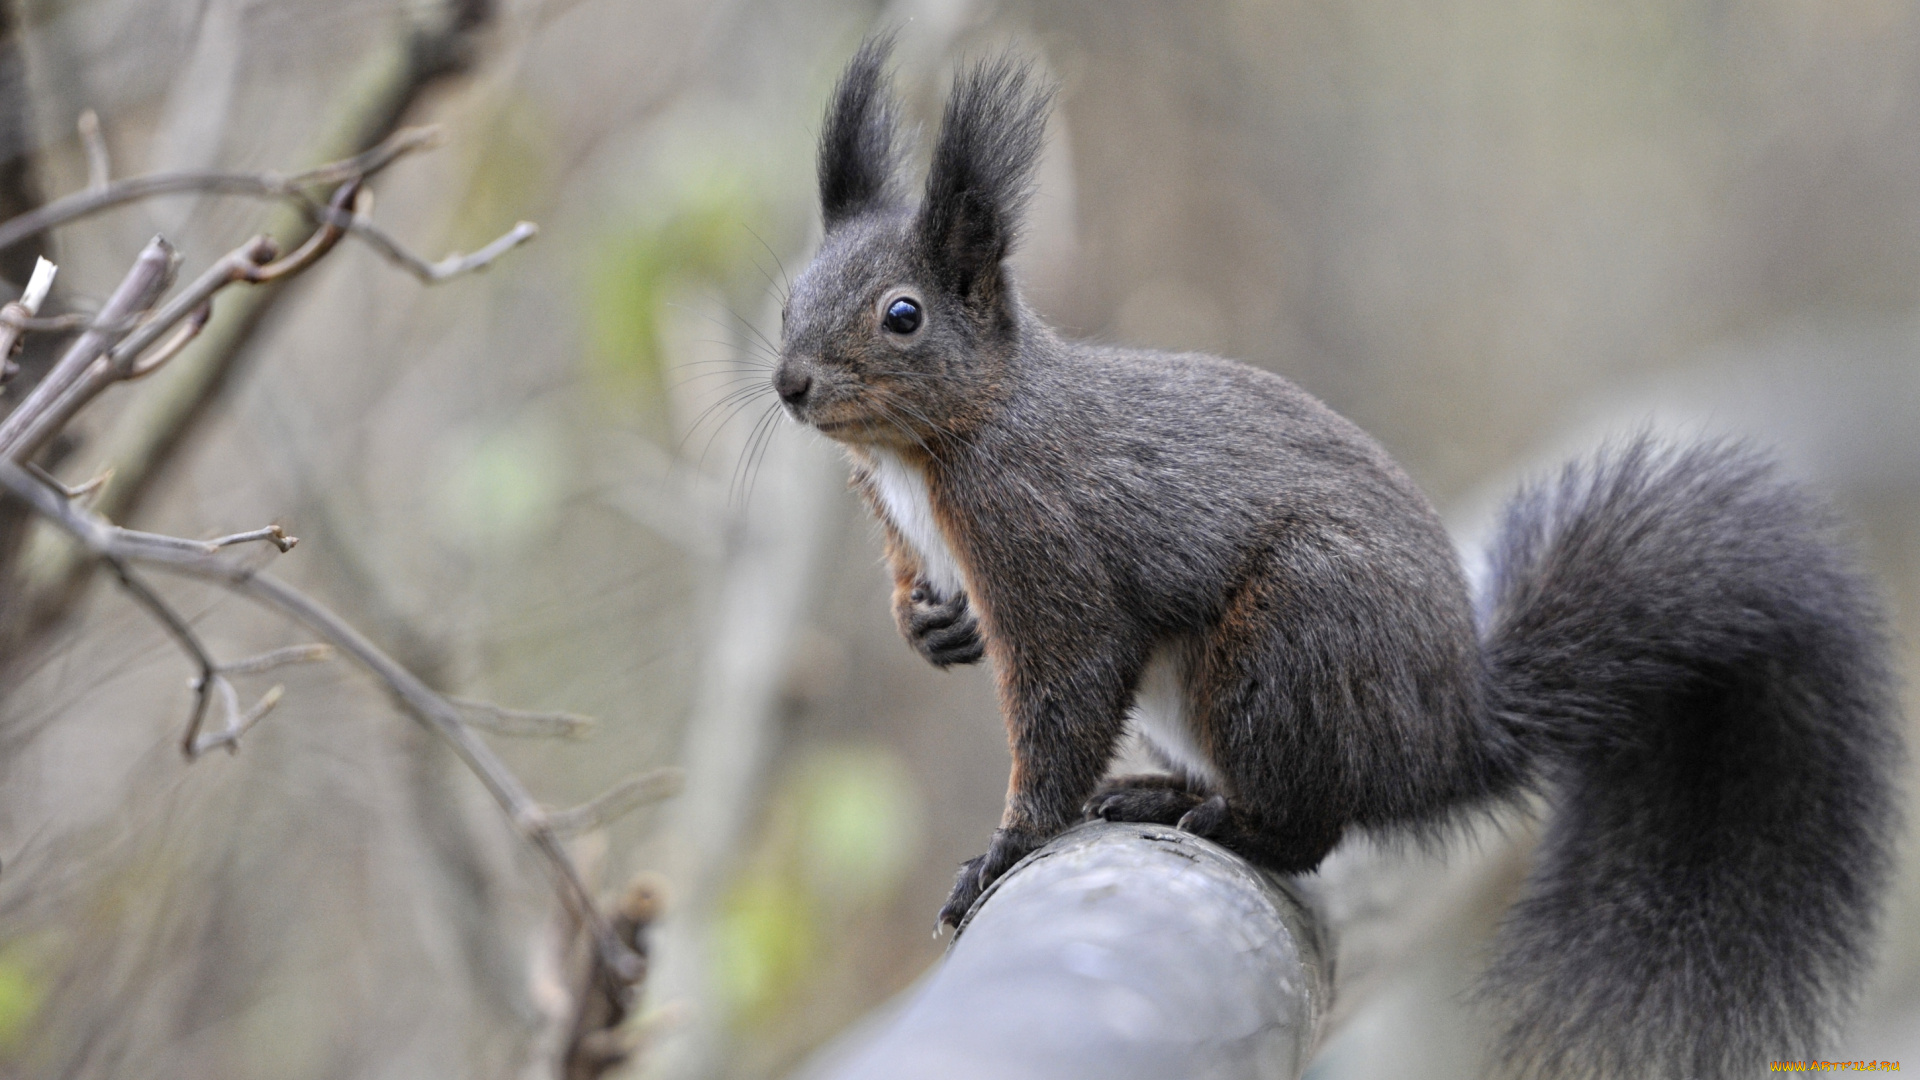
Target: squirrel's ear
857,148
982,172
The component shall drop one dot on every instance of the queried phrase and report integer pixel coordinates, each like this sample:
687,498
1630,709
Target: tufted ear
857,142
982,173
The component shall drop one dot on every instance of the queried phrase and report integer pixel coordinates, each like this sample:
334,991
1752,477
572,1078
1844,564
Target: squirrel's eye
903,316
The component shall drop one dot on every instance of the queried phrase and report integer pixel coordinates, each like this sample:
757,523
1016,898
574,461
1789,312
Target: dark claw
1009,846
1160,806
931,615
966,889
1160,798
1208,819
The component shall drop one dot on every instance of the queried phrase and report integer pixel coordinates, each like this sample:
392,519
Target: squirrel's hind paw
1159,800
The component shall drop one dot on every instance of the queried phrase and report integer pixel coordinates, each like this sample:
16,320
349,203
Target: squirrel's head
902,327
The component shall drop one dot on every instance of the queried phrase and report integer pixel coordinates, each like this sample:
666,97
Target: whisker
753,473
739,485
755,331
891,417
902,403
736,400
776,259
738,407
736,360
737,378
773,351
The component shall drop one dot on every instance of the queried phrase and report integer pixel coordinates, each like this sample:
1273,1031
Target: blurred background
1490,231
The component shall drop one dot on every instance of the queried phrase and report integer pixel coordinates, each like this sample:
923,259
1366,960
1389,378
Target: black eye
903,316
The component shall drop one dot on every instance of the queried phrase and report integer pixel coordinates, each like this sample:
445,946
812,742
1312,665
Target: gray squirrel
1675,650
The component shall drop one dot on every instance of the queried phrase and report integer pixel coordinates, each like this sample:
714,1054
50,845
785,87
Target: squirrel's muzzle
792,384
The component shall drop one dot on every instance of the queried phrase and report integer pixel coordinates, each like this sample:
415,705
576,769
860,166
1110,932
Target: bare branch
73,320
622,799
370,162
274,534
183,634
278,658
260,185
73,381
453,265
81,492
226,270
239,722
15,316
617,964
146,365
79,377
99,167
101,194
521,724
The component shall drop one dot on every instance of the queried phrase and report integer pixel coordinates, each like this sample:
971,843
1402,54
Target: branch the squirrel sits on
1674,647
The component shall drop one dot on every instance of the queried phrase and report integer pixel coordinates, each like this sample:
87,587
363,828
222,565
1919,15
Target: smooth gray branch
1116,952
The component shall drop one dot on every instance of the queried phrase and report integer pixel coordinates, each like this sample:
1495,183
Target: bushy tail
1703,678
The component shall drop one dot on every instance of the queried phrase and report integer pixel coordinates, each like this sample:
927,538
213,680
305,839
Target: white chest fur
902,488
1161,715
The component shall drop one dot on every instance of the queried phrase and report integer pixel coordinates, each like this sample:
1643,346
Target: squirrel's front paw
1009,846
942,630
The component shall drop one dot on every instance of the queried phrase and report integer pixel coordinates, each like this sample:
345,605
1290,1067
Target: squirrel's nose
792,385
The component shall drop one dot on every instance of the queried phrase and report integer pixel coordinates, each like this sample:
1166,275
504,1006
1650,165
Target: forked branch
617,963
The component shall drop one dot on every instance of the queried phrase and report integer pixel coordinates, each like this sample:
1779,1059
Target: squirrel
1675,649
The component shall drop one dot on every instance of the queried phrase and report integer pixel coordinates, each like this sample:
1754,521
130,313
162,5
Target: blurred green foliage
511,166
20,996
503,487
706,234
842,832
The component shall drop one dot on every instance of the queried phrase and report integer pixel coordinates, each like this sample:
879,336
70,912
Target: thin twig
239,722
260,185
81,492
203,685
519,723
99,166
453,265
15,316
291,189
273,534
617,802
277,658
